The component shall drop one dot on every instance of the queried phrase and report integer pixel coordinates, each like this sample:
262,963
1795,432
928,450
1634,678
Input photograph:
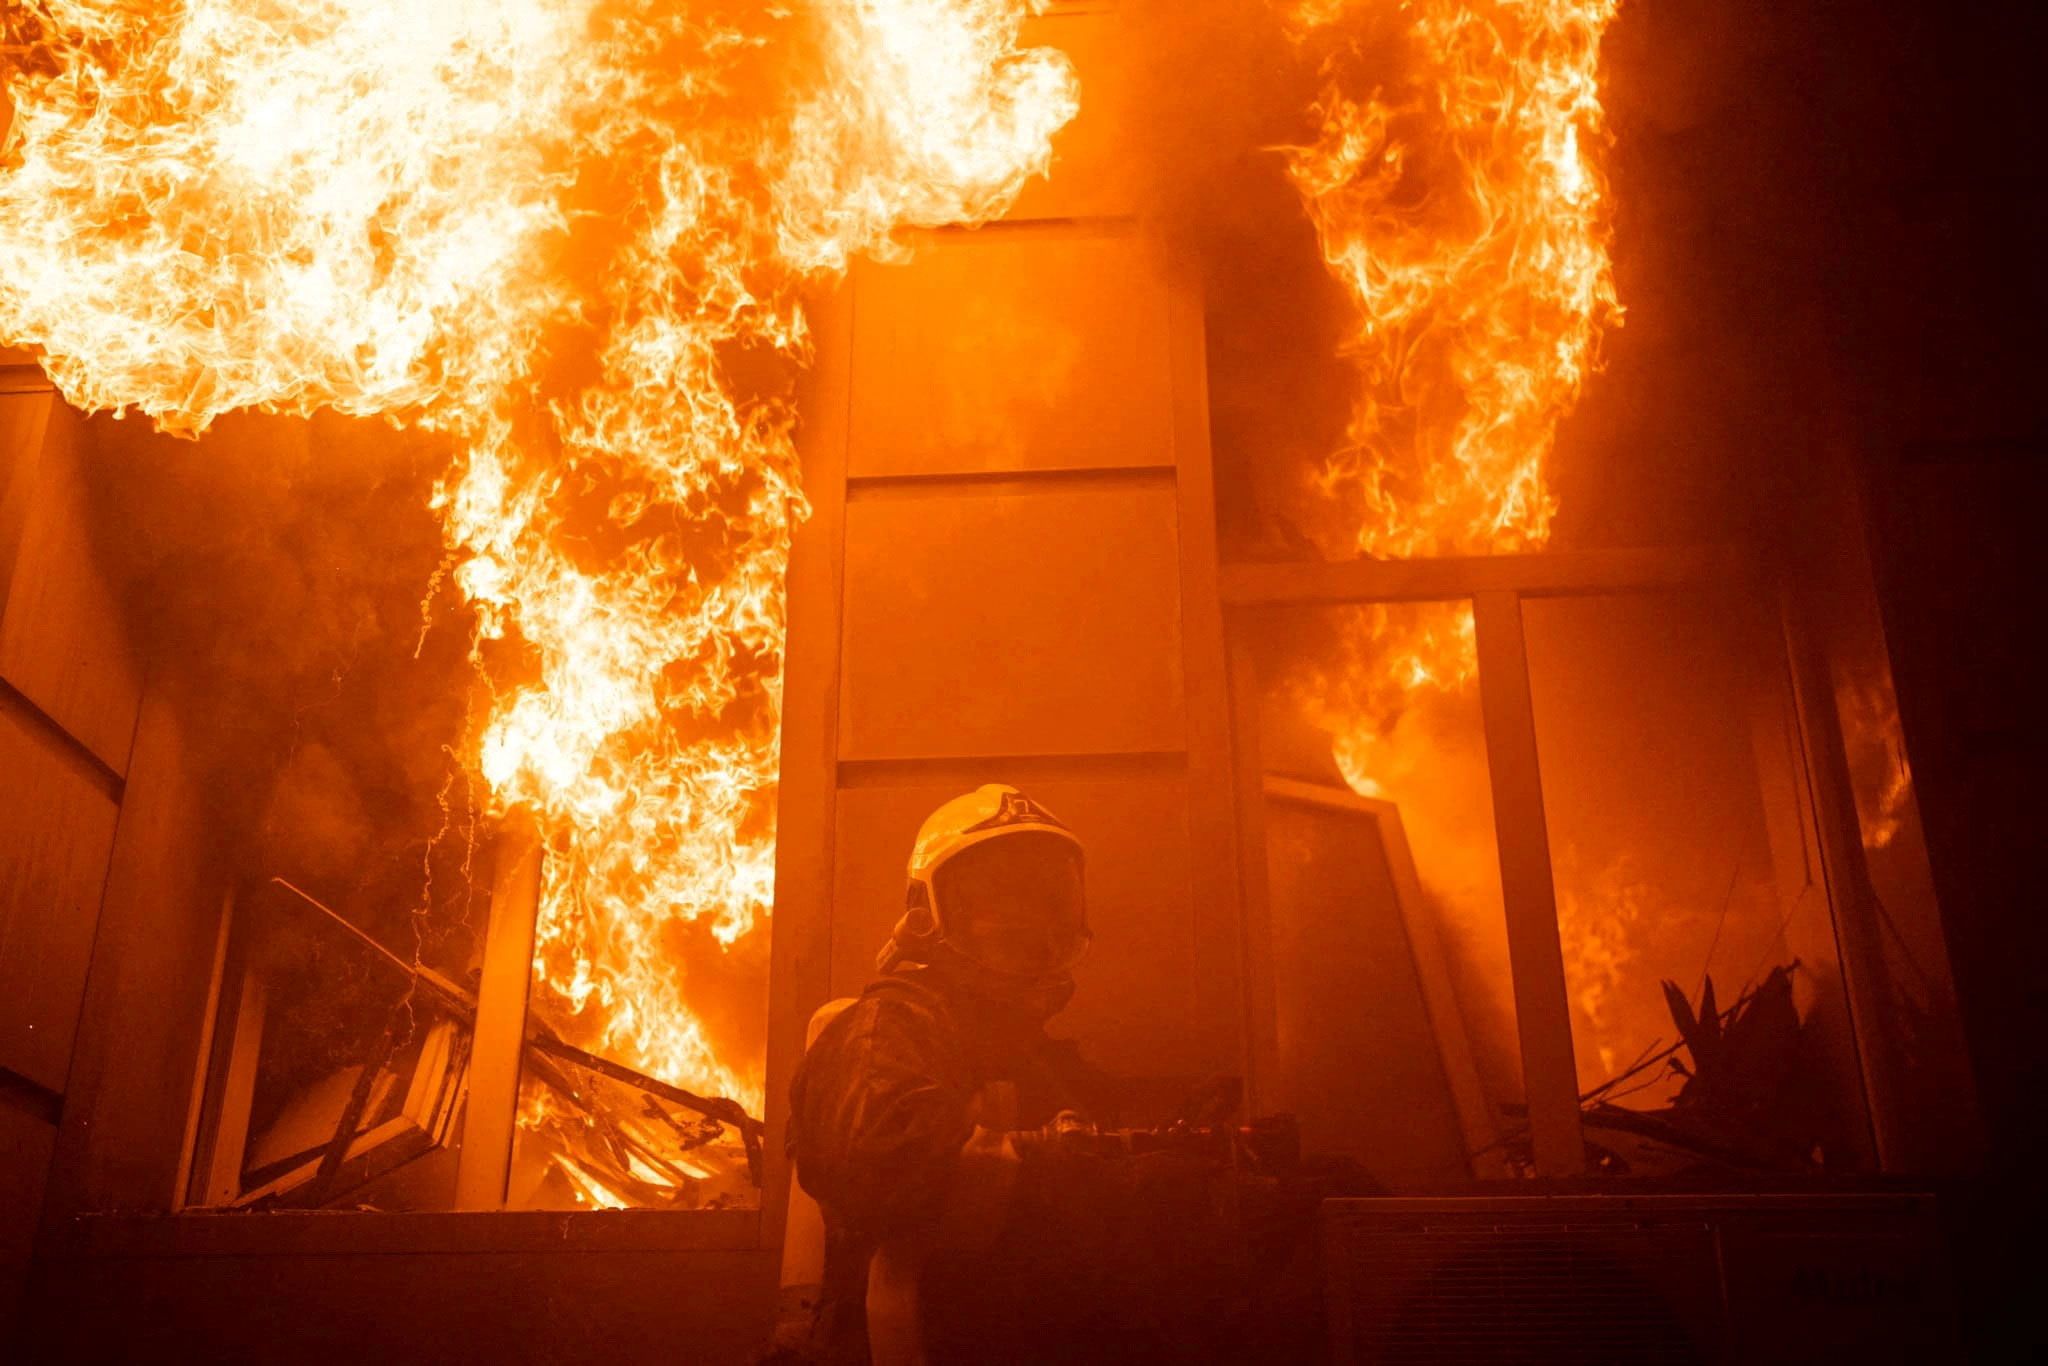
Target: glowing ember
1881,777
556,230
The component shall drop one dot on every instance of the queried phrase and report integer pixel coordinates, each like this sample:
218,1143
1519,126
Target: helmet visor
1014,904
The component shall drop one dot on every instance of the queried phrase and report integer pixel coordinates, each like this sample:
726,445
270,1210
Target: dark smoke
275,572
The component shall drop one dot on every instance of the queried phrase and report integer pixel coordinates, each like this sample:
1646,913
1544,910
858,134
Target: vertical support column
1542,1008
485,1161
806,803
1866,974
236,1078
1221,964
183,1192
1262,1047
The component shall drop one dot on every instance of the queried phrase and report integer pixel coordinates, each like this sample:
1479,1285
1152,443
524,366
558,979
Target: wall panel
1027,622
129,1091
62,640
59,824
1010,349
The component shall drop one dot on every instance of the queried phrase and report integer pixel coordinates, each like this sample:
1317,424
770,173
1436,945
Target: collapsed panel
1358,1060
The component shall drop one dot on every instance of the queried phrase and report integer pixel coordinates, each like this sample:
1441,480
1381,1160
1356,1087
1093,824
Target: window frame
1497,586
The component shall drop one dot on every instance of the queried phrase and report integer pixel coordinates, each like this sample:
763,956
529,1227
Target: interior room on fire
1016,680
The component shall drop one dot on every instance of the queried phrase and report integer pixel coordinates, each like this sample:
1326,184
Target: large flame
566,233
1452,191
1454,199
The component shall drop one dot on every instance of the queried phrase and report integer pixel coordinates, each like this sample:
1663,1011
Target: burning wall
569,237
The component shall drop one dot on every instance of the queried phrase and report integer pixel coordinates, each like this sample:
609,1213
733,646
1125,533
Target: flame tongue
1457,207
553,229
1460,212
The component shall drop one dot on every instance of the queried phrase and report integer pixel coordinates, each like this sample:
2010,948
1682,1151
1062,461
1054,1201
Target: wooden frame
800,935
422,1123
213,1167
491,1114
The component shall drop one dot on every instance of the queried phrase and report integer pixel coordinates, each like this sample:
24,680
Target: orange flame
1452,193
562,232
1460,211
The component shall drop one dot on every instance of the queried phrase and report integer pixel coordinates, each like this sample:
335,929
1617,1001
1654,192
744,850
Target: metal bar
994,483
1262,1045
1548,574
721,1108
455,995
188,1150
1542,1007
485,1162
351,1119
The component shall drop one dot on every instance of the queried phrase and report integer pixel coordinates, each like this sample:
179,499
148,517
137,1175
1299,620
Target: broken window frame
428,1116
464,1089
1497,586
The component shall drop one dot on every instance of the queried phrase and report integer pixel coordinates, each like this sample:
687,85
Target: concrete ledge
354,1287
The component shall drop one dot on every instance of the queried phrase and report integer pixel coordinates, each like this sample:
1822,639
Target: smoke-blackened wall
282,583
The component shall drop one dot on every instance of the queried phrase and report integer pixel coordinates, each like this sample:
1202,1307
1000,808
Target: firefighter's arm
879,1117
984,1183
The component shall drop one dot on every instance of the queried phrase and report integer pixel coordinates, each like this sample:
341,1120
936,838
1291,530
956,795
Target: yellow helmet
994,878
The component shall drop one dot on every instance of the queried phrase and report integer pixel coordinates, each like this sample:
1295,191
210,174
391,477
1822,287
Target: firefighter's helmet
995,879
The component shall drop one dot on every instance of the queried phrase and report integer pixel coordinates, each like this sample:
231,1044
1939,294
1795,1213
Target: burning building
513,513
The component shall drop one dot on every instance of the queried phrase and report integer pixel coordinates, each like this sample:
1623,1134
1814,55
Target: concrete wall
353,1287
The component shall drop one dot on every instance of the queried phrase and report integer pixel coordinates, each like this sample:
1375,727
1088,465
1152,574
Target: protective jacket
1077,1256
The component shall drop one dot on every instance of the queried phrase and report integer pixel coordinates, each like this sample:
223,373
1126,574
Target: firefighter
931,1121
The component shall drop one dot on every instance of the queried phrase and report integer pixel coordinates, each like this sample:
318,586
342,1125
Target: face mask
1014,906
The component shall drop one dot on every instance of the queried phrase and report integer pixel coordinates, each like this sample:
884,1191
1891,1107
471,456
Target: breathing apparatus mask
995,897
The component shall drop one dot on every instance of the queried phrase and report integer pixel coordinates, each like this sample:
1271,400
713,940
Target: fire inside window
718,671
